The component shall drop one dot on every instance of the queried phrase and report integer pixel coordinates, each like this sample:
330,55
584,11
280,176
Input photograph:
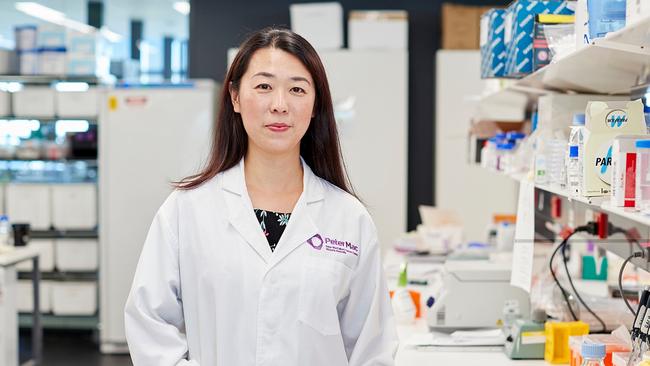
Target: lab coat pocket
320,283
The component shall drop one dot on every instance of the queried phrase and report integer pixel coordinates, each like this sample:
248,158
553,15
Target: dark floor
68,348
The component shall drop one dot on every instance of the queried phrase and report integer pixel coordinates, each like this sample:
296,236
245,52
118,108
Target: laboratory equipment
527,339
643,176
473,295
182,115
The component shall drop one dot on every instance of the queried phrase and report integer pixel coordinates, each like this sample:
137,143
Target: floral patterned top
273,225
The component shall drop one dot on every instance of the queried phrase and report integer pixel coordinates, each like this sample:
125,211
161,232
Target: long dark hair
319,146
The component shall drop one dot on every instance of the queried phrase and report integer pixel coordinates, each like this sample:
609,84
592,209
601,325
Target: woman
260,260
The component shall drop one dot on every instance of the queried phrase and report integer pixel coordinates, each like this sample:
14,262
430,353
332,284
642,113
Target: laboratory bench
466,356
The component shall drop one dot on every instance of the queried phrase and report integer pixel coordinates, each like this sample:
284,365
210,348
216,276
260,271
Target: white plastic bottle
574,171
5,231
403,305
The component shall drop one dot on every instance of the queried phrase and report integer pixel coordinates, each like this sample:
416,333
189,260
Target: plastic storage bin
557,339
34,102
25,301
45,248
77,254
74,206
81,104
74,298
5,103
643,175
29,203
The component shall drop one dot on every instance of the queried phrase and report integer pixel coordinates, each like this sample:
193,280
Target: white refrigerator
370,94
149,136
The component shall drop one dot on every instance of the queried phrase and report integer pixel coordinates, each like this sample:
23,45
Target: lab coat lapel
301,226
240,211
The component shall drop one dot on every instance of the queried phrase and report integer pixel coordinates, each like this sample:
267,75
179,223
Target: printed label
533,337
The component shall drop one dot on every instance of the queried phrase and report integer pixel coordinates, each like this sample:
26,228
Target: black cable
617,230
620,278
566,269
557,282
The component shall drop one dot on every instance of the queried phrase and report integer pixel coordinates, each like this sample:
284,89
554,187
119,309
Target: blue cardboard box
520,23
493,47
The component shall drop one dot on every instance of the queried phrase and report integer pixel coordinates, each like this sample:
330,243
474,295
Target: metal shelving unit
48,79
50,321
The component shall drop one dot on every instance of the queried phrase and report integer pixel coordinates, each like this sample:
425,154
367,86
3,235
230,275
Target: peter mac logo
616,118
333,245
316,242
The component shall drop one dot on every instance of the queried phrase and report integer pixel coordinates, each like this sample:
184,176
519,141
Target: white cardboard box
29,203
77,254
385,29
74,206
319,23
74,298
25,303
5,103
46,259
556,110
52,61
77,104
33,101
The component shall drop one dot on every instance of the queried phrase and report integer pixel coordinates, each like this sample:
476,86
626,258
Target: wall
216,26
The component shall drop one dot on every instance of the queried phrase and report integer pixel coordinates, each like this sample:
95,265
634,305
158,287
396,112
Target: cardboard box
386,29
493,48
50,35
319,23
28,62
77,254
34,102
582,24
520,24
51,61
81,104
555,111
74,206
74,298
604,122
25,301
461,26
29,203
46,259
624,170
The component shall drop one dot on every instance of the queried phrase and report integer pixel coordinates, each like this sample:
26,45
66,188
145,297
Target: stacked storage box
520,22
493,49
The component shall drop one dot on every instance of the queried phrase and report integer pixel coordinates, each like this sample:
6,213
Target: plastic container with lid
611,345
488,153
605,16
593,354
504,156
643,176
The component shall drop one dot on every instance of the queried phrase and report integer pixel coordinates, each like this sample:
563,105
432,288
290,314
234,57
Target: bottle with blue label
605,16
5,231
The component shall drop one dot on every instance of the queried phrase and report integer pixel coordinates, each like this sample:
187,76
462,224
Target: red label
630,180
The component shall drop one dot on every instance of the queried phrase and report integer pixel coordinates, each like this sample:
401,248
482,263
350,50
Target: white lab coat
209,291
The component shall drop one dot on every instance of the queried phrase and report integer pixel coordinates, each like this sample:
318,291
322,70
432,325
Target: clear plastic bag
561,40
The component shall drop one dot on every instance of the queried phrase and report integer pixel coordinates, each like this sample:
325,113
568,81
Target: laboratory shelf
618,64
48,79
602,204
51,321
62,276
64,234
47,120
